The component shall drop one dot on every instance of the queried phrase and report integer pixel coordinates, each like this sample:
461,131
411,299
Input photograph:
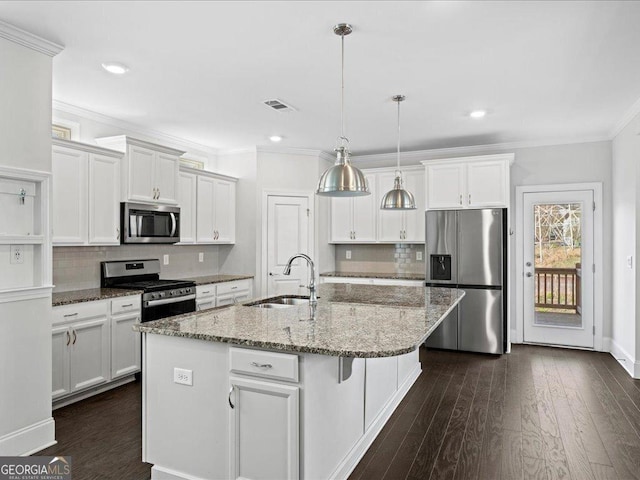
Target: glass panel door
558,291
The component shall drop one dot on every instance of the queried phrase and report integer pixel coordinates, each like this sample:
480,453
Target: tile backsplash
76,268
395,258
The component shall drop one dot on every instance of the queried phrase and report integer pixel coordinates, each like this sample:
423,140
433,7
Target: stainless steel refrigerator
466,249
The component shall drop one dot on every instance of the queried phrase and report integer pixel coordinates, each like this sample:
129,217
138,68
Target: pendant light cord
342,137
398,136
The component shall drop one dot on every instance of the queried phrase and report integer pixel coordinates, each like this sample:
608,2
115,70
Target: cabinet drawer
281,366
233,287
204,291
125,304
79,311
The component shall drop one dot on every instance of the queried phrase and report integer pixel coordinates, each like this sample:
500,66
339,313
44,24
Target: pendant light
398,198
343,179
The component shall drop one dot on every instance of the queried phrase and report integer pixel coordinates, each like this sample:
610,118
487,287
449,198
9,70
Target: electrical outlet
165,259
201,257
17,254
182,376
418,255
348,254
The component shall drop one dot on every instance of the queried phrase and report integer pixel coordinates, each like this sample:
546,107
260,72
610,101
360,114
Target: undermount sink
282,301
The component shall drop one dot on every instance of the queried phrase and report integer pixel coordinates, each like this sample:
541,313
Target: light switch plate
348,255
418,255
183,376
201,257
165,259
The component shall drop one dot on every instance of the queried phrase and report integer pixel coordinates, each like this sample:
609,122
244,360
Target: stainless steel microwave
142,223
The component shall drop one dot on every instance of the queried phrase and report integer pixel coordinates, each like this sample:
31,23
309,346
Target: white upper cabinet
208,209
353,220
360,219
402,226
104,200
469,182
187,185
150,171
70,190
86,194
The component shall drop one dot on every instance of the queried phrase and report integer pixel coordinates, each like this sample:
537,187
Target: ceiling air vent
279,105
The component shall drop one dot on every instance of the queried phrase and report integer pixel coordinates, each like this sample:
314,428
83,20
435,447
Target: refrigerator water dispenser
440,267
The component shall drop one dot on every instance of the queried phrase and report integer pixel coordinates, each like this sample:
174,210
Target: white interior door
558,286
287,234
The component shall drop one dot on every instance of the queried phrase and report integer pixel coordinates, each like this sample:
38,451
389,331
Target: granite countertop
394,276
205,280
349,321
90,295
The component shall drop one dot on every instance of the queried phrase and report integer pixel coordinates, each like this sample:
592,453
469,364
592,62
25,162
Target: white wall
625,334
25,327
25,107
241,257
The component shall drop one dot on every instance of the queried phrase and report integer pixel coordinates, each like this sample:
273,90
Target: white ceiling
545,71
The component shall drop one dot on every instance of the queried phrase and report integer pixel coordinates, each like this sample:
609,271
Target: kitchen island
295,391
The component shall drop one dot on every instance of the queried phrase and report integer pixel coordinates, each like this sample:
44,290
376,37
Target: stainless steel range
161,298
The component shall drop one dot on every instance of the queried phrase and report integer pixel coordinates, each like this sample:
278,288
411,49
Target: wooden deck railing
557,288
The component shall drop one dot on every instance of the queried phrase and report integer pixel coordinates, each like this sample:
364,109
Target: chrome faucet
313,298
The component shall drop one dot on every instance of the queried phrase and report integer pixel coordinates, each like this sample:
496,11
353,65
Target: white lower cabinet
222,294
125,345
93,343
264,430
80,350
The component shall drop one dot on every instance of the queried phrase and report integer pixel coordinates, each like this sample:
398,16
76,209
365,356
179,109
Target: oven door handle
166,301
174,224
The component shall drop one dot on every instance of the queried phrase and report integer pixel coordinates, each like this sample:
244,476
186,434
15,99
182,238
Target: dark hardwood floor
103,435
539,413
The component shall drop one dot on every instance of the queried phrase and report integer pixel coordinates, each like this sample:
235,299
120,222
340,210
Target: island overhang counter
295,392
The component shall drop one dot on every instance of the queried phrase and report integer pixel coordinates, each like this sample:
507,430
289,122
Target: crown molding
416,156
131,127
629,115
236,151
29,40
289,150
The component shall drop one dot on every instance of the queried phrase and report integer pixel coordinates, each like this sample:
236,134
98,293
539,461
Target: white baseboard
623,357
161,473
29,439
347,465
76,397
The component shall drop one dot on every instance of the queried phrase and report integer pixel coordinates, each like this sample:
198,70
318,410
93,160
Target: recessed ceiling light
115,68
478,114
275,138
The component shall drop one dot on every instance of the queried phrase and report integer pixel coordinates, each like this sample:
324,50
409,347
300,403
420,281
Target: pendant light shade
398,198
343,179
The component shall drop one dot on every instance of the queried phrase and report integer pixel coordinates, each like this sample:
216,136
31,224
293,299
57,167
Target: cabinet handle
68,338
261,365
158,193
230,392
127,305
354,234
234,288
460,199
469,199
74,337
71,315
117,234
206,293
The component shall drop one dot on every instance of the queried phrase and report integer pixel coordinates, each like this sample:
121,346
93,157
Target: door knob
528,264
529,274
